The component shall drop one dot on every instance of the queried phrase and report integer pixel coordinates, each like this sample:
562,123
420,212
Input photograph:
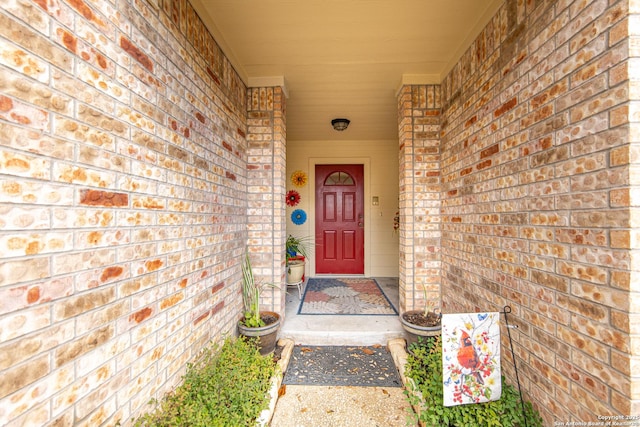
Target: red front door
339,219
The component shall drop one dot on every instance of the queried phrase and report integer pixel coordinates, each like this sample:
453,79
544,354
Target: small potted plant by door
421,323
296,258
263,325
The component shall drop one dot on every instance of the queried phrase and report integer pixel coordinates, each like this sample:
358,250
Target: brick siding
123,205
536,205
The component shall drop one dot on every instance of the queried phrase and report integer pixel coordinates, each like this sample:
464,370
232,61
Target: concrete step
363,330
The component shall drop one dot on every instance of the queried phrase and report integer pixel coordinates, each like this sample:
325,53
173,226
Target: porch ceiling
344,58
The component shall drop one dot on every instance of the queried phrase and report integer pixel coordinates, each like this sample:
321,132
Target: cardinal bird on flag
468,357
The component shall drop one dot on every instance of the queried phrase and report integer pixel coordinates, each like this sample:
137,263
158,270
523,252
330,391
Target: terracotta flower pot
267,335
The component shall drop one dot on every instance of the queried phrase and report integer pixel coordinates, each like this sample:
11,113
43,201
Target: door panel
330,242
348,207
330,206
349,245
340,219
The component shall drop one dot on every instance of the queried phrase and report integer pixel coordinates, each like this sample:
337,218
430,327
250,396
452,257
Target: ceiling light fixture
340,124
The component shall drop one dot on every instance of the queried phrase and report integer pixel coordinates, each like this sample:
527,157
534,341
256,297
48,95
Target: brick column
419,137
266,164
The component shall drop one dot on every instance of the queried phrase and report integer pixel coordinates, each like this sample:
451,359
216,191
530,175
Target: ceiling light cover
340,124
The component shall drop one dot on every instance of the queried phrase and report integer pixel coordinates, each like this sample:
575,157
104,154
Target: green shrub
227,386
424,366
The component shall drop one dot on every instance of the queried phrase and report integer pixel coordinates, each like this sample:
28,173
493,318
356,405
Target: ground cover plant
424,367
227,386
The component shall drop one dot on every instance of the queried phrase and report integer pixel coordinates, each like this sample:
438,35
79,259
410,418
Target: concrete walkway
305,406
312,406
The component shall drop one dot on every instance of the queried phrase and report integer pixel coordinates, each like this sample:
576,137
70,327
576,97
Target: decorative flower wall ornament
299,178
298,217
293,198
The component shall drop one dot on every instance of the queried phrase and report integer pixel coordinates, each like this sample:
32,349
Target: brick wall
631,323
123,182
538,198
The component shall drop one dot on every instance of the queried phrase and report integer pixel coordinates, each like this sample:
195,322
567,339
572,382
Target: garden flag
471,358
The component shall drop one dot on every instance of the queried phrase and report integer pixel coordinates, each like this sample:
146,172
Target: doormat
342,366
345,296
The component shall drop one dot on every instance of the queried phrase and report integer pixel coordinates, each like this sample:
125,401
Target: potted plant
421,323
296,246
263,325
296,258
